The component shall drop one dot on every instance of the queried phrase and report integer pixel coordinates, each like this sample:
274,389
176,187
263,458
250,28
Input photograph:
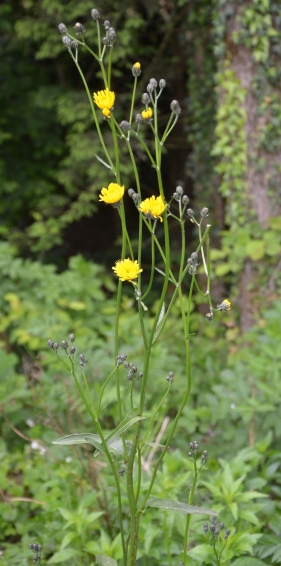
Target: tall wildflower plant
124,446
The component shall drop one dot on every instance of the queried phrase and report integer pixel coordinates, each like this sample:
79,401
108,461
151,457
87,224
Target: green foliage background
55,280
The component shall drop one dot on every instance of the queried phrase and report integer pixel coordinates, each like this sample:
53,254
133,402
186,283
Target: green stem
190,501
92,412
155,415
94,115
132,104
103,388
109,67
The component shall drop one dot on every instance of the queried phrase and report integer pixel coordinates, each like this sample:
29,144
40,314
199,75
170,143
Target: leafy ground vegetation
55,279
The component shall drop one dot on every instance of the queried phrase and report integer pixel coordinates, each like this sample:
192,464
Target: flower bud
50,343
131,192
64,344
62,28
150,88
55,346
162,83
176,196
111,34
153,82
190,213
66,40
74,43
95,14
175,107
124,125
138,118
136,198
105,41
72,350
136,69
185,199
106,24
145,98
79,28
204,212
71,337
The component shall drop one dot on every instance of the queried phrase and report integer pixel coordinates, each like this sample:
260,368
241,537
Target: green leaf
81,438
129,420
104,560
256,249
63,555
172,505
248,561
163,273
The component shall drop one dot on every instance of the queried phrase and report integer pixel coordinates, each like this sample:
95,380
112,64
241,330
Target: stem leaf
162,273
171,505
103,162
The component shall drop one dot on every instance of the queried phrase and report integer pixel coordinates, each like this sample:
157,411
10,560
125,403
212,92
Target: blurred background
221,60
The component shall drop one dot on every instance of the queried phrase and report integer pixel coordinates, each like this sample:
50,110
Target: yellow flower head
136,69
112,194
127,270
147,114
224,306
153,207
104,99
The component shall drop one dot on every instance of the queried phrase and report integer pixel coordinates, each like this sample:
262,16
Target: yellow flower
153,207
224,306
127,270
147,114
112,194
104,99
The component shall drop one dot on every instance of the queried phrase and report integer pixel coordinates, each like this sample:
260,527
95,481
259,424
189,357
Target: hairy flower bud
66,40
179,190
64,344
95,14
185,200
50,343
74,44
162,83
72,350
105,41
145,98
106,24
204,212
138,118
150,88
136,69
153,82
79,28
62,28
111,34
72,337
175,107
124,125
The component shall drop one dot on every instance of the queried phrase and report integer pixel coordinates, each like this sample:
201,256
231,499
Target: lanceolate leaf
171,505
103,162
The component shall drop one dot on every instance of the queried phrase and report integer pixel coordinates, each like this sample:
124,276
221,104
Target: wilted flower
113,194
104,99
127,270
153,207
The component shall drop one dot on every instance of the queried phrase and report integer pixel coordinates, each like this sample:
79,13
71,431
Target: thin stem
155,414
132,104
102,391
109,67
190,501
